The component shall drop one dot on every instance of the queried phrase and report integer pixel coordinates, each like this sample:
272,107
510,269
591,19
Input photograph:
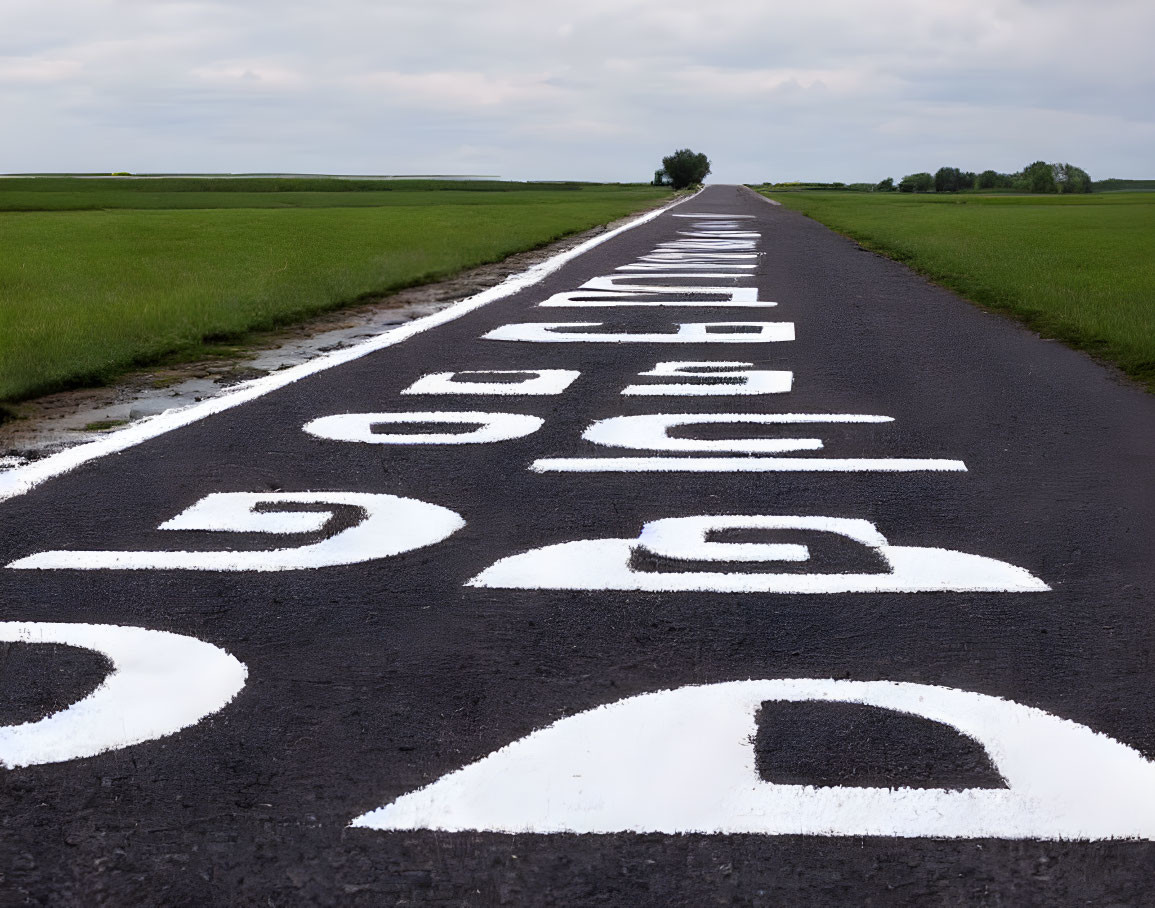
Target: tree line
1036,177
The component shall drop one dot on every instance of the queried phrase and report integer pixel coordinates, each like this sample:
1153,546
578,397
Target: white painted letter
682,761
536,381
651,432
607,291
159,684
688,333
391,526
605,564
359,427
741,378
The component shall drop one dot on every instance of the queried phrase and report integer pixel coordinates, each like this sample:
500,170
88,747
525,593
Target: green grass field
1079,268
157,271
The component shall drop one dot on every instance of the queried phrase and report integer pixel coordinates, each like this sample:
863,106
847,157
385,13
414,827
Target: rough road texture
366,682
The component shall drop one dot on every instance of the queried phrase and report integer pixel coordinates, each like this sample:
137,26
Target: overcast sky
584,89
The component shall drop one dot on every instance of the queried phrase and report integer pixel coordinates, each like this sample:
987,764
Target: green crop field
1080,268
101,276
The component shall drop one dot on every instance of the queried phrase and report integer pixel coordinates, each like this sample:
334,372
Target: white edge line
23,479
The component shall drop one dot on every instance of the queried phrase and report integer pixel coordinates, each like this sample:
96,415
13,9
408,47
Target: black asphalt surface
367,682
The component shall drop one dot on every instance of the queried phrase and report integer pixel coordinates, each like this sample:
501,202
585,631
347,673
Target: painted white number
391,526
360,426
651,432
687,333
682,761
159,684
530,381
611,291
737,262
709,246
605,564
739,378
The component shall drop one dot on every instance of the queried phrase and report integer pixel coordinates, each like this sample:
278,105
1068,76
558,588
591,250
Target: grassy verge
86,294
1077,268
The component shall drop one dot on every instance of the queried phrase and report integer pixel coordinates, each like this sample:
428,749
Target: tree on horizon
685,167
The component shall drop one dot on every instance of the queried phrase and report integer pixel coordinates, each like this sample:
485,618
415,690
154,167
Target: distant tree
1038,177
685,167
916,182
988,179
1070,178
886,185
967,179
1078,179
661,178
948,179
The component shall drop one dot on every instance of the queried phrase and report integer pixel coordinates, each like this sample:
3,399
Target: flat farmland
100,276
1077,268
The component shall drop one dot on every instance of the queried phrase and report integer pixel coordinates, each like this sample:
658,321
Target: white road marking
392,525
359,427
159,684
727,217
651,431
666,260
25,478
605,564
613,282
682,761
687,333
687,538
577,299
536,381
701,233
746,465
661,254
741,378
707,246
689,265
607,291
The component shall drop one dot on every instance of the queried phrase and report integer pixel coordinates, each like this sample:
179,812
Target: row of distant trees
1037,177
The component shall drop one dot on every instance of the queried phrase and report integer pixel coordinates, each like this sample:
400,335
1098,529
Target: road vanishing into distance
716,562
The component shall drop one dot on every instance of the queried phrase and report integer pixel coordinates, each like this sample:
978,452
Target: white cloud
34,70
247,73
456,90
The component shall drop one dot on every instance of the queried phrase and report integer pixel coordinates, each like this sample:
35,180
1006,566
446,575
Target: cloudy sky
583,89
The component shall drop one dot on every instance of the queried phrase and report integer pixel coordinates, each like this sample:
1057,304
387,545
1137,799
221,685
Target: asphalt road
897,637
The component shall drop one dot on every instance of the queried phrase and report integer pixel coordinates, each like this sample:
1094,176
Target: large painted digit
361,427
159,684
714,379
682,761
391,525
651,432
501,381
623,290
607,564
687,333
